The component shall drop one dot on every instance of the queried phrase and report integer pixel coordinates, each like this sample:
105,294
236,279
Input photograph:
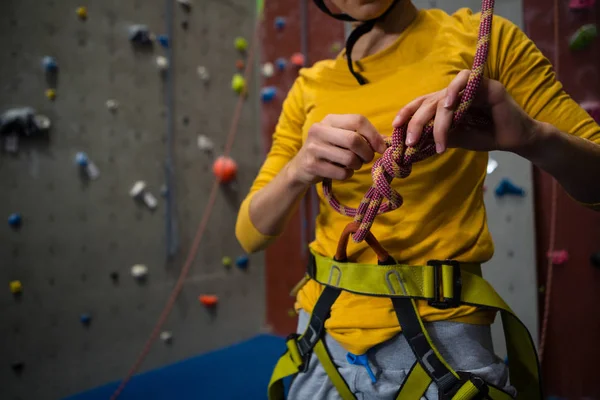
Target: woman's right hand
334,148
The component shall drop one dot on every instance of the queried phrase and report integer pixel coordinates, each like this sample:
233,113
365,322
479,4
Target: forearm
573,161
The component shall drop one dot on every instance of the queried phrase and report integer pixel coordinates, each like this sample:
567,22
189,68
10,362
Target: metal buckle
443,302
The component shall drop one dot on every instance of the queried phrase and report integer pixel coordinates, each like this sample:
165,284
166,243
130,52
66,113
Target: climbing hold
163,40
203,73
137,189
268,70
491,165
162,63
185,4
15,220
149,200
85,319
82,13
582,38
49,64
542,289
281,63
112,105
225,169
581,4
51,94
240,64
505,360
558,257
279,23
140,34
593,108
114,276
268,93
506,187
16,287
87,167
208,300
18,367
335,47
238,83
595,259
139,271
226,261
240,44
23,121
166,337
242,262
298,59
292,313
205,144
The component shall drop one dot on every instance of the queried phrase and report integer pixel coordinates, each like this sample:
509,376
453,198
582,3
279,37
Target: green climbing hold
240,44
238,83
583,37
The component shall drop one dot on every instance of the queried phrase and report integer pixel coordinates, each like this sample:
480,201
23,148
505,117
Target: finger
418,121
326,169
349,140
441,127
407,111
339,156
455,87
359,124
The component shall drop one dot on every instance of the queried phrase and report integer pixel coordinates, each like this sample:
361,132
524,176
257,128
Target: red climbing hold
581,4
208,300
558,257
225,169
298,59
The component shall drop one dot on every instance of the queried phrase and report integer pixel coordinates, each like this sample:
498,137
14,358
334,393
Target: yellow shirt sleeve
530,79
287,140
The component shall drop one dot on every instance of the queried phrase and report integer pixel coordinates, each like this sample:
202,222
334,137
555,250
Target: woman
409,67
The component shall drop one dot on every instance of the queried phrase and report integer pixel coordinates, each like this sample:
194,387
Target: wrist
292,180
539,134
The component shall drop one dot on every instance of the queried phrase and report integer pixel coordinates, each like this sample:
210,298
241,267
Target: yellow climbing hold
82,12
51,94
226,261
16,287
238,83
240,44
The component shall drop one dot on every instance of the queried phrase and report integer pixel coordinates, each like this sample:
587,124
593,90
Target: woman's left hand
511,129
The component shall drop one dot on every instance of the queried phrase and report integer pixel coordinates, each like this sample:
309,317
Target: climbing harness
443,284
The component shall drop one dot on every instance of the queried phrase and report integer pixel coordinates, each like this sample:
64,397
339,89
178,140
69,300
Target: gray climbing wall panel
74,234
512,270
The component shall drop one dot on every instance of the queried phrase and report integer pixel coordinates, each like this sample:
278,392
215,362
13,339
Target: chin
363,10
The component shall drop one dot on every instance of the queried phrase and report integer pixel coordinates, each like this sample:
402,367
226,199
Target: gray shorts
465,347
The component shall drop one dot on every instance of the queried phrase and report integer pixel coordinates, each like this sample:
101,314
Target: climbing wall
82,319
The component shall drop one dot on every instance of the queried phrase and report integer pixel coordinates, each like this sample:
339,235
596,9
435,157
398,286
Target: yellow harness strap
443,284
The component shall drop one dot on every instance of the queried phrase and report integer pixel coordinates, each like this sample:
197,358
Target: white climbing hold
150,201
205,144
185,3
492,165
112,105
162,63
268,70
166,336
203,73
139,271
137,189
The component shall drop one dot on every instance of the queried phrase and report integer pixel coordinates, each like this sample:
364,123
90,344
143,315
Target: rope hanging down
397,160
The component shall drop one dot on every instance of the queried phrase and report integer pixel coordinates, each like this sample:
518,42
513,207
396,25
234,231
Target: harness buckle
442,301
304,355
482,387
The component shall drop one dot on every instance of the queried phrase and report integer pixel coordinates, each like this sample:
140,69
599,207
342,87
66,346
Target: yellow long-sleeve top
443,215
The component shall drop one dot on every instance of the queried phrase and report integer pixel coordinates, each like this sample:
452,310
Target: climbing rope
397,160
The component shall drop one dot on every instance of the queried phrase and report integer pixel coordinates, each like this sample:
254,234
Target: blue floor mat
241,371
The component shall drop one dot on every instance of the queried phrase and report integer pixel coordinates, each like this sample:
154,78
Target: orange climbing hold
208,300
225,169
240,64
298,59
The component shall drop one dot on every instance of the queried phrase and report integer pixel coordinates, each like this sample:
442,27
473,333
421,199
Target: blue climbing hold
81,159
280,63
49,64
279,23
268,93
85,319
242,262
506,360
361,360
14,220
163,40
506,187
